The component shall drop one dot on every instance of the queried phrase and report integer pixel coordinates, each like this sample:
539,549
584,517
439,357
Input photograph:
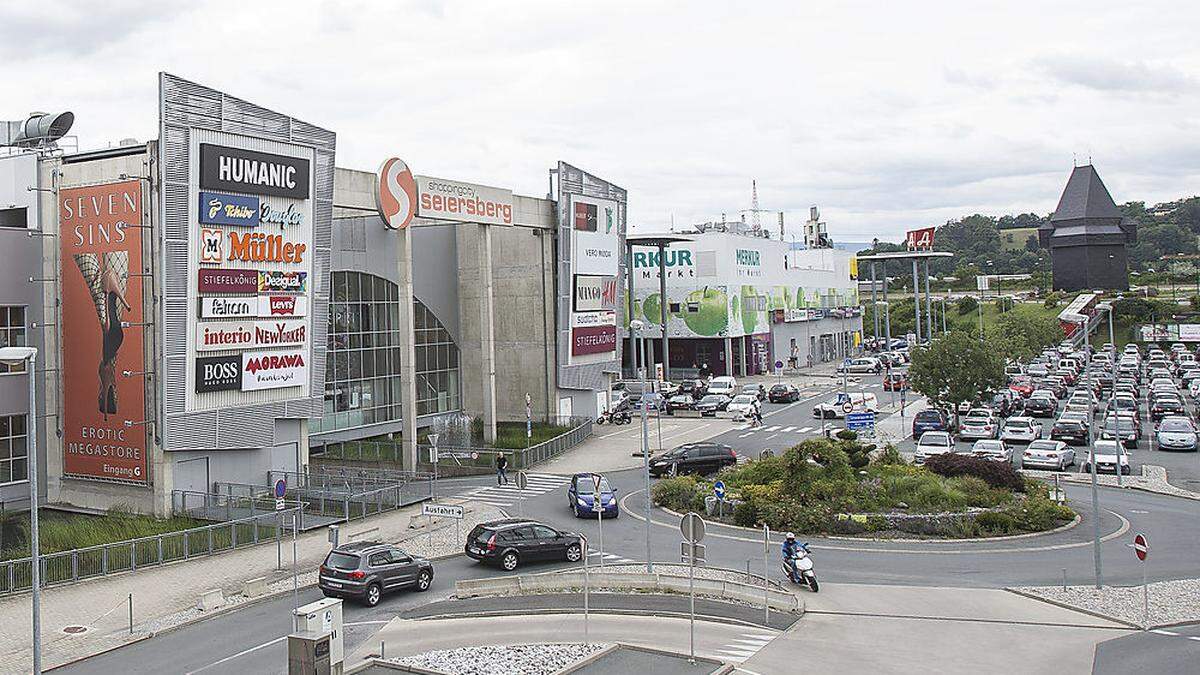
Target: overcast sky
888,115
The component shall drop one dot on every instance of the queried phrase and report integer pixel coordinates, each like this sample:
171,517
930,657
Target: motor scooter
617,417
804,569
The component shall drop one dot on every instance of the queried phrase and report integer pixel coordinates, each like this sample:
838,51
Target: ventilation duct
39,130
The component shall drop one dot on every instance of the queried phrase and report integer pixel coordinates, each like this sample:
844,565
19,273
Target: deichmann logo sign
218,373
261,306
273,370
225,168
215,335
464,202
396,194
595,293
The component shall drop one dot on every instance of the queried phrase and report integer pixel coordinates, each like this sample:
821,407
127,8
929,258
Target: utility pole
1087,373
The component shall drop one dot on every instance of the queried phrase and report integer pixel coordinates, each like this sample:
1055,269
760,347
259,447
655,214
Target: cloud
1109,75
33,30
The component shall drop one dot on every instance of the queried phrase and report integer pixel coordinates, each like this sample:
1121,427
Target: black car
1038,406
1070,432
699,458
1166,406
513,541
783,393
364,571
696,388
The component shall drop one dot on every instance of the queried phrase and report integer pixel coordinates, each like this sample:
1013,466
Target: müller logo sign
238,170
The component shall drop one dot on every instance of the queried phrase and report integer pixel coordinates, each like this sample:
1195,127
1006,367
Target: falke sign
261,306
221,209
593,340
218,373
273,370
262,173
227,281
214,335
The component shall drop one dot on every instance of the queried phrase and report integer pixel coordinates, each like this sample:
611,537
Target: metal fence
453,460
135,554
333,495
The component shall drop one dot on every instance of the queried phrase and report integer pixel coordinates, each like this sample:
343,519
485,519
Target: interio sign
218,335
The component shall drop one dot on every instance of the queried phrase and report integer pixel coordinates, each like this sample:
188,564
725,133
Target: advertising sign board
273,370
257,306
594,293
218,373
209,280
593,339
222,209
595,235
253,172
104,434
396,194
919,240
444,199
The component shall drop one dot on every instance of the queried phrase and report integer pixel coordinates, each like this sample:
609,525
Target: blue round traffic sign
719,489
280,488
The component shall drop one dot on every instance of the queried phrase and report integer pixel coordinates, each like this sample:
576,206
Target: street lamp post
28,355
635,326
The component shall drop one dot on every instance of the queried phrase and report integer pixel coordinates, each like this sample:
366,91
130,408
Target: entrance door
286,457
564,410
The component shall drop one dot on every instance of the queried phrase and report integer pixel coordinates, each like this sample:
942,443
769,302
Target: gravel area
1170,601
1153,479
540,659
682,571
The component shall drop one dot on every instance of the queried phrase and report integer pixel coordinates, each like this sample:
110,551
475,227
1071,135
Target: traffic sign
1141,546
280,504
596,478
522,480
442,510
692,527
281,488
719,490
847,407
691,553
765,454
778,365
860,421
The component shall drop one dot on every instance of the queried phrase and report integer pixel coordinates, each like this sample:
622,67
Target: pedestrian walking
501,469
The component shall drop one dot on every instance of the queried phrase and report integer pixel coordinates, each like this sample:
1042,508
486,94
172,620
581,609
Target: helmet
791,535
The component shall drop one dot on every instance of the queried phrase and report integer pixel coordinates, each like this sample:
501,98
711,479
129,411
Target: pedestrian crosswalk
744,647
777,429
594,558
508,494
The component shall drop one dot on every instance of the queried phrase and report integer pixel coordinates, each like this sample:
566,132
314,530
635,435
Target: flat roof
901,255
654,239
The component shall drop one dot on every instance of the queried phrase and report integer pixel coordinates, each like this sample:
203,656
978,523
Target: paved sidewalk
167,595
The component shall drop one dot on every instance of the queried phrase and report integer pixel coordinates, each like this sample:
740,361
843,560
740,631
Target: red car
896,382
1022,386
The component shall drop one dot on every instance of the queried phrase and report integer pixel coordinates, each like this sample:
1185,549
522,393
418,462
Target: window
14,449
543,532
15,217
12,334
362,383
379,559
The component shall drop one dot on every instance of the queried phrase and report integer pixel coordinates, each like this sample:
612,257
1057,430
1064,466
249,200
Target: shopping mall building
224,301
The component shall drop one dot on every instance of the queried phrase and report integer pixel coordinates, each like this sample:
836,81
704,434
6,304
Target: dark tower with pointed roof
1087,236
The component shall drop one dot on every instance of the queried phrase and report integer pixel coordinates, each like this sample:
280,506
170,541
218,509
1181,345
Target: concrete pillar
408,351
487,335
629,310
874,303
743,362
916,302
662,304
728,356
928,305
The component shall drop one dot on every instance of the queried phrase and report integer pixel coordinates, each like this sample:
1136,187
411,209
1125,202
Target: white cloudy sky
887,114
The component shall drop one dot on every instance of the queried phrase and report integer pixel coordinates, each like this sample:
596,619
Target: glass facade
362,368
14,453
12,334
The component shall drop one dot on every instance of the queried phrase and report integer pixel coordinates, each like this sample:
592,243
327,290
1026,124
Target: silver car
1020,430
1053,455
997,451
1176,433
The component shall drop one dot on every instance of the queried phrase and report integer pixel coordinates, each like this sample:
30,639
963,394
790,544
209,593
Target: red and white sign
464,202
261,306
396,194
919,240
581,319
1141,546
273,370
593,340
212,248
215,335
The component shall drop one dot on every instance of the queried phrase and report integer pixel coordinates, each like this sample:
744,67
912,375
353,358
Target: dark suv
365,570
512,541
783,393
701,458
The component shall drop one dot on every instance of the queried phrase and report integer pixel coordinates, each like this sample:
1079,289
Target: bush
995,474
1004,304
996,522
847,435
1053,299
1037,514
680,493
745,514
889,457
966,305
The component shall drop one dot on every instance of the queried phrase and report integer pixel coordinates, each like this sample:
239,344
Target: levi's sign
262,173
213,335
273,370
218,373
260,306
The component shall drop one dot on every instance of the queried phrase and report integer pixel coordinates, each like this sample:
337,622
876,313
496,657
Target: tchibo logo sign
218,373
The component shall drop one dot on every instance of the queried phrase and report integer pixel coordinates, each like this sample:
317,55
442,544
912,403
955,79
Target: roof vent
39,130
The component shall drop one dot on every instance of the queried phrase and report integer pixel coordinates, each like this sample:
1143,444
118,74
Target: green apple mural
711,317
749,314
652,308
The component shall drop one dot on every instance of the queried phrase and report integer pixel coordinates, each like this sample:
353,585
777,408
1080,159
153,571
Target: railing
339,495
135,554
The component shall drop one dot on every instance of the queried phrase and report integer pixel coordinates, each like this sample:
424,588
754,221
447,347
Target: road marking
789,429
806,430
771,436
1165,632
366,623
749,433
240,654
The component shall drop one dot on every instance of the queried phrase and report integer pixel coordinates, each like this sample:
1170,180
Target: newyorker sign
260,173
214,335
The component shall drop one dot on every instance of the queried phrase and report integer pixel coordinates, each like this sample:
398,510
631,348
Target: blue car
581,498
929,419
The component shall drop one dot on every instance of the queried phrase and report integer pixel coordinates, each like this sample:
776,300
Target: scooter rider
789,550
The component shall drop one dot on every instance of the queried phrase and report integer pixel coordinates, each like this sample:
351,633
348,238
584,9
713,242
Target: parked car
510,542
929,419
1124,429
723,385
933,443
1071,432
1165,406
1021,386
694,388
783,393
1005,402
1040,406
1176,433
1043,454
711,404
682,401
1020,430
1107,455
979,423
695,458
862,364
756,390
897,380
365,570
581,497
836,407
995,450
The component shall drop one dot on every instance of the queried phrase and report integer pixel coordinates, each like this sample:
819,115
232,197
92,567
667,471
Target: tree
956,367
966,304
1021,335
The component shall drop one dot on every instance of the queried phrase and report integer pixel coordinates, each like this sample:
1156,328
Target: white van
724,384
859,402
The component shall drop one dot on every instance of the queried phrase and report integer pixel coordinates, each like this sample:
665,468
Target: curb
1073,608
615,612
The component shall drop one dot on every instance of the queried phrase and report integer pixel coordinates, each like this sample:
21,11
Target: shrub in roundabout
995,474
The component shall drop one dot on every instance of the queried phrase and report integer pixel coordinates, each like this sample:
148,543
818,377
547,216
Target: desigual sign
216,335
218,373
260,306
273,370
282,282
253,172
